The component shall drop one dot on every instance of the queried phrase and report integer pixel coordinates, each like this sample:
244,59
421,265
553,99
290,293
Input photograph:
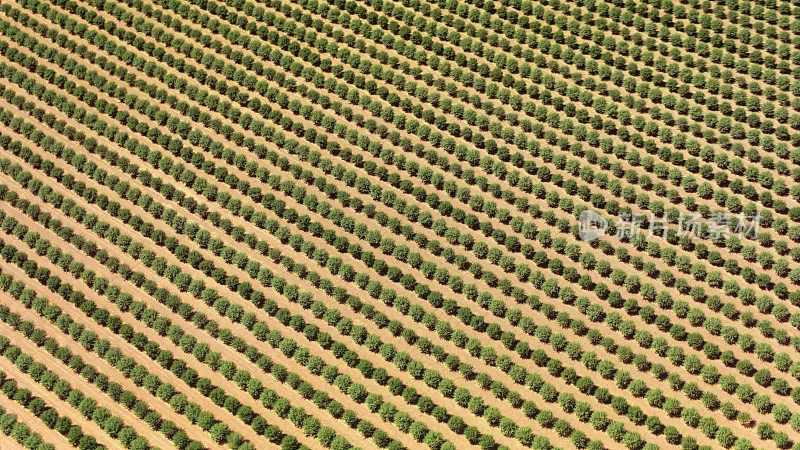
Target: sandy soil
49,435
164,343
476,361
221,288
319,384
98,211
112,169
9,443
103,366
75,380
625,163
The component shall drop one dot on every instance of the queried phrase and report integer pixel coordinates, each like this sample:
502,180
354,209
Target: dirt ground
186,33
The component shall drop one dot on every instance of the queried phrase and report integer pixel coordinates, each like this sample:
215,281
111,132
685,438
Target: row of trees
229,370
590,101
361,66
89,340
86,405
222,307
21,432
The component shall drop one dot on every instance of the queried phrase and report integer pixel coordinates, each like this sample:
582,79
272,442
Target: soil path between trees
49,435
